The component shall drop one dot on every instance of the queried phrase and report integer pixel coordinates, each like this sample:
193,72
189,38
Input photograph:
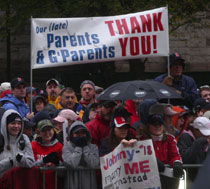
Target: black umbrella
138,90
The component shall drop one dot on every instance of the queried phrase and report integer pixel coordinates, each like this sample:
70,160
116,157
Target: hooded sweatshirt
6,156
75,157
10,102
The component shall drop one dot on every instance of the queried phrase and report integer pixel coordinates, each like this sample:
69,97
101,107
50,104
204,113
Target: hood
143,111
34,99
10,98
76,124
4,125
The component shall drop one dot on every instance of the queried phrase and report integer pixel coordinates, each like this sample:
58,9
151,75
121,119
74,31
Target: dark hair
112,139
67,90
146,133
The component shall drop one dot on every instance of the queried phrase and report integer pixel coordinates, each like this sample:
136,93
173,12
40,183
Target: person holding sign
166,150
120,132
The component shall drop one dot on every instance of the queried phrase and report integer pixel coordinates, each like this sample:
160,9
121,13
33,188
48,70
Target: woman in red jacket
47,150
166,150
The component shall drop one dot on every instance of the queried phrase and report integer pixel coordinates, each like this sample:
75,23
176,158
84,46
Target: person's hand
30,115
51,157
124,142
168,80
161,167
128,143
18,157
132,142
177,170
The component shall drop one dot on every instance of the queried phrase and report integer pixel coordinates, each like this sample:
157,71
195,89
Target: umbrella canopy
138,89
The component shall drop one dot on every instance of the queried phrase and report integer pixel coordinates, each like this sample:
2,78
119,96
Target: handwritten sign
129,168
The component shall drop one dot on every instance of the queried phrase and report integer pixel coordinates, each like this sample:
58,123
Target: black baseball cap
176,57
155,119
17,81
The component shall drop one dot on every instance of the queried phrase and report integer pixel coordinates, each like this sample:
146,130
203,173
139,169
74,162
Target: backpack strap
22,143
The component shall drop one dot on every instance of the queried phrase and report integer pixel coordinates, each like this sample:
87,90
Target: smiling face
46,134
14,128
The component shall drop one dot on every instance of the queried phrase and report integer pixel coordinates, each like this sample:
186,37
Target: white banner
66,41
130,168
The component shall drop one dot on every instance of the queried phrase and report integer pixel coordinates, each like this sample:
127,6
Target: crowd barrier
34,178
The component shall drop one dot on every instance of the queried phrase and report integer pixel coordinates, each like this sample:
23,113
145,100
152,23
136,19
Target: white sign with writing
131,168
66,41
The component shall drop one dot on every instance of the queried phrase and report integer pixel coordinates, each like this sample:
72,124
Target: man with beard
99,127
68,100
16,100
53,90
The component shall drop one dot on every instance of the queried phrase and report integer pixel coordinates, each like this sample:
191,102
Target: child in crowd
15,148
79,152
47,150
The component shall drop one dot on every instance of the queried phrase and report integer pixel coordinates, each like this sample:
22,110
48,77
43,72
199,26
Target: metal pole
31,72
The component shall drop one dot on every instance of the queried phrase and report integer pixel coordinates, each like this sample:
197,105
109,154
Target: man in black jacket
193,144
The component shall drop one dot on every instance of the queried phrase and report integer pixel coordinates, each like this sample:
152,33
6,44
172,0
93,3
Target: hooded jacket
18,105
75,157
6,156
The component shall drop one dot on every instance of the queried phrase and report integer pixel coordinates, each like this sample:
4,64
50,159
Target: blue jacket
186,85
10,102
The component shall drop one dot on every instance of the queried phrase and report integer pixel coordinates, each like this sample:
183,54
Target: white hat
5,86
207,114
203,124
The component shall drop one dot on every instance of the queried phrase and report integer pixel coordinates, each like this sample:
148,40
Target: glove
51,157
18,157
80,141
161,166
177,170
201,140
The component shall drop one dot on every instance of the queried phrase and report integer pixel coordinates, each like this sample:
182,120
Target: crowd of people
52,127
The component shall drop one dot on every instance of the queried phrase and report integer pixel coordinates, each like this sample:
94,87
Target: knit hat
13,117
87,82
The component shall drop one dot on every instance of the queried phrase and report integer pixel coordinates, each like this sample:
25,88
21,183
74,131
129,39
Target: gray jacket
6,156
76,157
